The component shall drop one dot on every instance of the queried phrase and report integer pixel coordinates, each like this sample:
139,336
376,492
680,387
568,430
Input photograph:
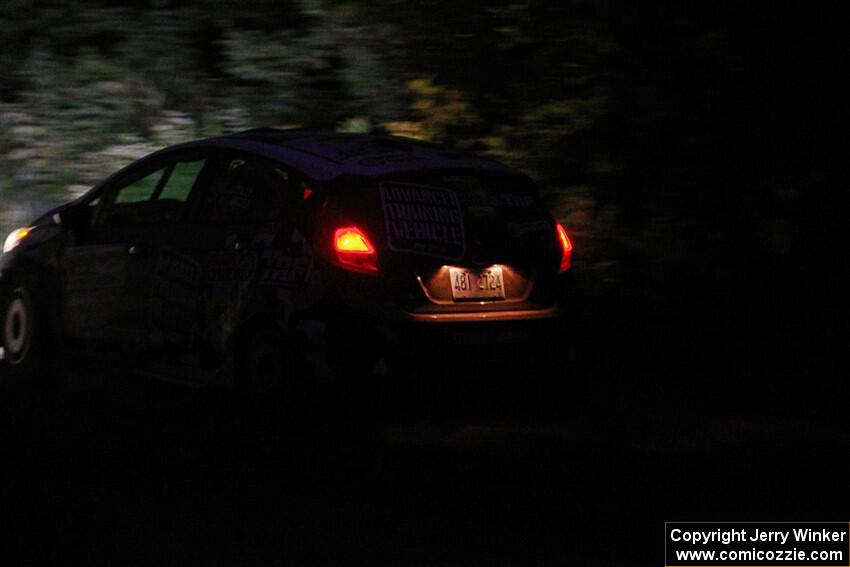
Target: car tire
23,334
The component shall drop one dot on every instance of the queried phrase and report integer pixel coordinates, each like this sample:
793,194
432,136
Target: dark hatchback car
255,258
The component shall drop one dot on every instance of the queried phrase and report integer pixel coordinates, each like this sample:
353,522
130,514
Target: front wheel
21,334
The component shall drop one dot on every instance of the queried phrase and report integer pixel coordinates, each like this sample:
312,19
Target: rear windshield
483,183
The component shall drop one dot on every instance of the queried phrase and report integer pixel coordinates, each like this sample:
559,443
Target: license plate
486,284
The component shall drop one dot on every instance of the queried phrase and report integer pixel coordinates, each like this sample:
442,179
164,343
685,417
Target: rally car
256,258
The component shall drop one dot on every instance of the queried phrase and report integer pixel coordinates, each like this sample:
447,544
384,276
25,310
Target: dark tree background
686,146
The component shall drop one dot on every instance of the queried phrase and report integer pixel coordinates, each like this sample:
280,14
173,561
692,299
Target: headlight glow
15,237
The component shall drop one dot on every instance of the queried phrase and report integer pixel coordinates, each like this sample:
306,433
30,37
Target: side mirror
76,217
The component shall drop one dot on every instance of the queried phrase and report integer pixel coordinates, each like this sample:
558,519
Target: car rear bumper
445,332
483,316
438,334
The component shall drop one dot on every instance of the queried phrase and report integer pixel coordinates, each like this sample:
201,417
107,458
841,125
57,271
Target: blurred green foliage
88,86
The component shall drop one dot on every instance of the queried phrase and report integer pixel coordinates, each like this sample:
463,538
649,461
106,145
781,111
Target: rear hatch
460,241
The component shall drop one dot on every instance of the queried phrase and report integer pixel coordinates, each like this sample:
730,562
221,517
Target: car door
109,268
246,216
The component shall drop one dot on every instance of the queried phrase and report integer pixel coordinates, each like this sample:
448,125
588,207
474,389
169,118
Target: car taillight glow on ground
566,248
355,250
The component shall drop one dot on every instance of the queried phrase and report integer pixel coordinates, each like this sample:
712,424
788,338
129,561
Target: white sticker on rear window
424,220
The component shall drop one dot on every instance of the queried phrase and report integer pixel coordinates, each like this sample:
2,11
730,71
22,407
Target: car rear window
475,182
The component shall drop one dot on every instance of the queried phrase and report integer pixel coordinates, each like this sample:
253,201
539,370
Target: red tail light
566,248
354,249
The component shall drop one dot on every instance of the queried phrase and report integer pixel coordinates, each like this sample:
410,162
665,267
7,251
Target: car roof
325,156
